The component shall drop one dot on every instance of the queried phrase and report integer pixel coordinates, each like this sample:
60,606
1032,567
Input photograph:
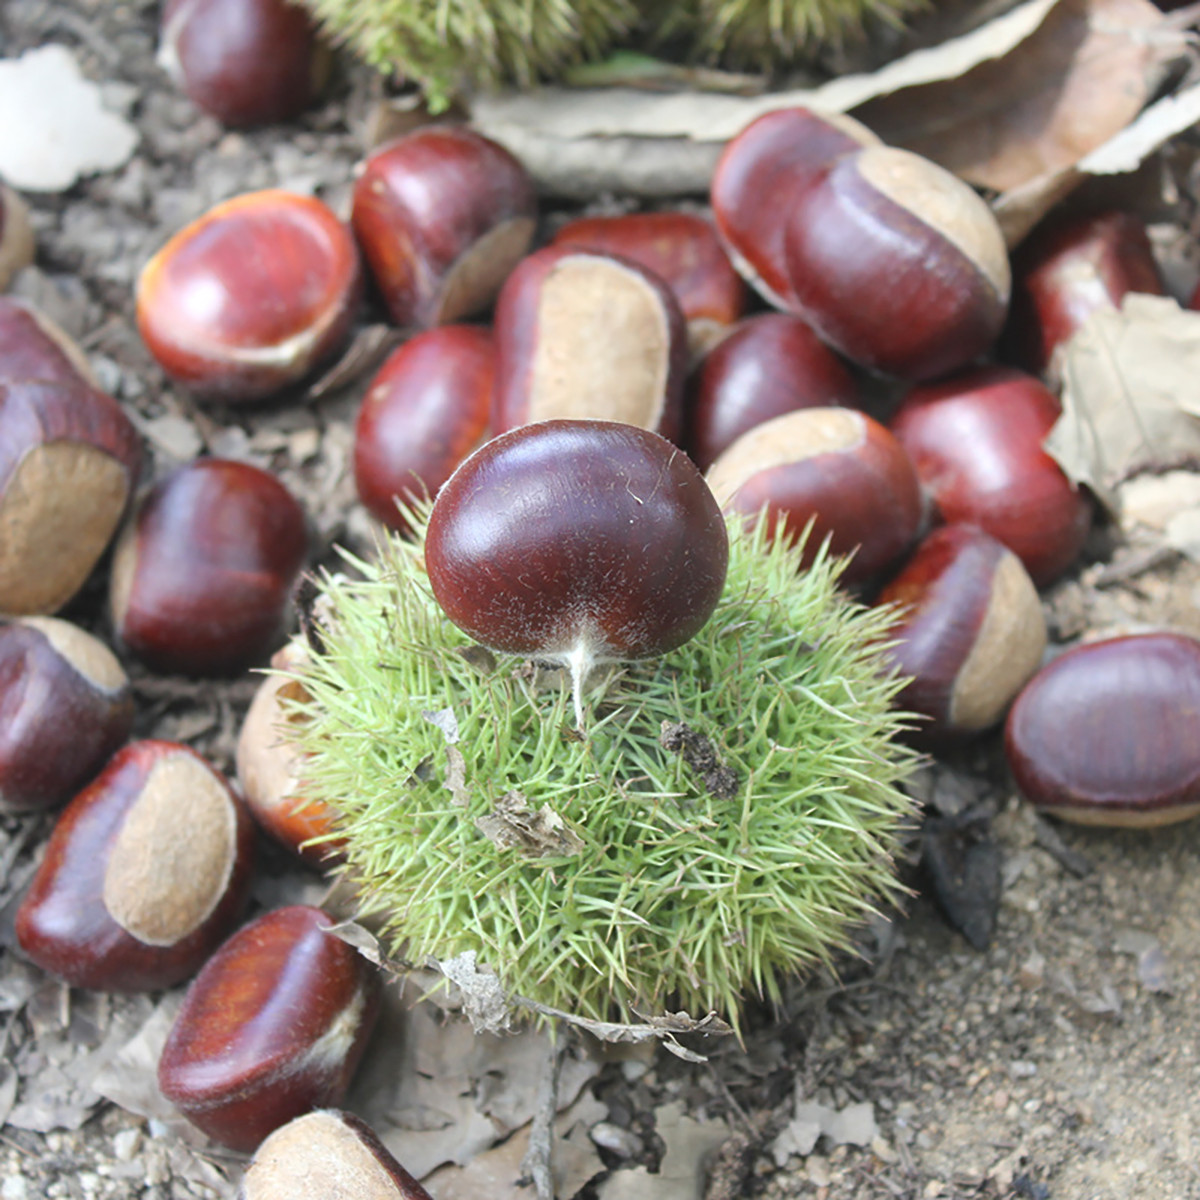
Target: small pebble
623,1142
126,1143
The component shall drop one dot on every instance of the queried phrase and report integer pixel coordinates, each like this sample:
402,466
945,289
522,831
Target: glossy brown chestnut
1070,269
326,1155
442,215
424,412
834,467
69,461
898,264
970,630
16,235
588,335
203,572
270,764
245,62
251,297
146,871
976,441
761,174
767,366
273,1026
33,347
1107,733
683,250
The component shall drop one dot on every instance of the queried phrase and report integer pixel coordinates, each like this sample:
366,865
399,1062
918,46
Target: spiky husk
672,895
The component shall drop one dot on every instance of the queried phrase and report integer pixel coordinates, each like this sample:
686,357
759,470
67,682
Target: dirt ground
1061,1061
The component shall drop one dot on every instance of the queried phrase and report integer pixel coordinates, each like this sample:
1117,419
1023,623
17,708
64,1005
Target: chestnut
443,214
768,365
1106,734
323,1155
976,442
578,542
203,572
761,173
273,1026
588,335
33,347
251,297
425,410
683,250
835,468
898,264
969,631
145,872
65,706
245,62
69,461
16,235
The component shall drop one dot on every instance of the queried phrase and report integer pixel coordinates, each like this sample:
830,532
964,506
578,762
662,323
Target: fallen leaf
513,825
1168,505
853,1125
689,1146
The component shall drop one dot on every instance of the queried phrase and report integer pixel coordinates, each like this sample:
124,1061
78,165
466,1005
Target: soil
1059,1061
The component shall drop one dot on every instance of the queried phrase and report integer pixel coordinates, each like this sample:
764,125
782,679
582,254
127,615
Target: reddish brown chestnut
578,542
424,412
970,630
976,441
34,347
202,574
898,264
768,365
1107,733
69,461
763,172
587,335
245,62
683,250
146,871
251,297
16,235
65,706
327,1155
273,1026
834,467
442,215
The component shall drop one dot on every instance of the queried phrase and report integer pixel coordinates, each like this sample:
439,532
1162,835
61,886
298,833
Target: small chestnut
273,1026
768,365
33,347
145,872
975,439
69,461
579,542
835,468
1107,733
969,631
443,214
245,62
203,571
588,335
251,297
16,235
898,264
425,410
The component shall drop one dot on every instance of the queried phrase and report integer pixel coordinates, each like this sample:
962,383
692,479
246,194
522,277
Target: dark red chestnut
65,706
762,173
16,235
273,1026
203,573
834,467
34,347
146,871
969,631
683,250
976,441
578,542
245,62
327,1155
424,412
69,461
1107,733
898,264
767,366
588,335
251,297
442,215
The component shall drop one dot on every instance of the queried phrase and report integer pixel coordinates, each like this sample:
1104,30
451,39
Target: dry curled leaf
513,825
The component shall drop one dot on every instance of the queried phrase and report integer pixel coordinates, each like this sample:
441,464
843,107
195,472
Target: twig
538,1162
